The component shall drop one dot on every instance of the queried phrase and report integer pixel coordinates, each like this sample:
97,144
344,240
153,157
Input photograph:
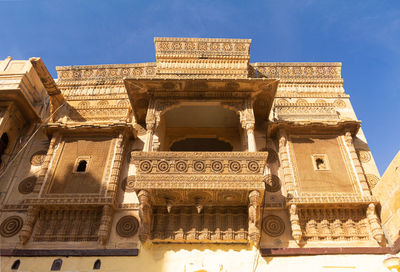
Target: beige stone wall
388,193
210,258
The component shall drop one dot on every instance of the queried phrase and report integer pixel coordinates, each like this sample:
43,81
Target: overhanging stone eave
260,90
319,127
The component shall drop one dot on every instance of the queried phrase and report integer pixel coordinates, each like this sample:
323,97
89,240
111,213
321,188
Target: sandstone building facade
200,161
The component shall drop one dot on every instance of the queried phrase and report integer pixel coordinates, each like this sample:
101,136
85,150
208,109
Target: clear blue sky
363,35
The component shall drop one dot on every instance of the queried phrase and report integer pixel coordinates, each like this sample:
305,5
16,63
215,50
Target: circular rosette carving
235,166
163,166
372,180
199,166
128,185
339,103
217,166
11,226
38,158
145,166
253,166
127,226
273,225
27,185
181,166
272,156
364,155
272,183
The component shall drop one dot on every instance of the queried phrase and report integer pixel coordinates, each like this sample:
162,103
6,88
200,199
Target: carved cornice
68,201
330,200
199,170
319,127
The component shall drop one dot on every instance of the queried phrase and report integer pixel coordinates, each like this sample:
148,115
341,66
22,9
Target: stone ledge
267,252
68,252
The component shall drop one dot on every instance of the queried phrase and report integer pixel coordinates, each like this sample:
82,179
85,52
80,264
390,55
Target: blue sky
363,35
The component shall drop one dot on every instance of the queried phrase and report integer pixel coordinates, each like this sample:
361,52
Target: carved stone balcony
215,196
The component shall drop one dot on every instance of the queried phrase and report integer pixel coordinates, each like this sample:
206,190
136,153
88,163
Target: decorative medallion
145,166
272,183
199,166
163,166
38,158
127,226
364,155
282,102
11,226
339,103
301,102
235,166
253,166
273,225
181,166
27,185
128,185
217,166
272,156
372,180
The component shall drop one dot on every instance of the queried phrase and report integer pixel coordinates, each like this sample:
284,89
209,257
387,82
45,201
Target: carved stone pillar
152,121
116,166
29,223
373,220
254,216
295,223
45,166
247,120
356,162
105,225
145,214
285,163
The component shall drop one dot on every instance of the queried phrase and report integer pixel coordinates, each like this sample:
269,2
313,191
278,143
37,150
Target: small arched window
97,264
3,144
56,266
320,164
15,265
81,166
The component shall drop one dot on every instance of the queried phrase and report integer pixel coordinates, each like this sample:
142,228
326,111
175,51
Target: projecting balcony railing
199,170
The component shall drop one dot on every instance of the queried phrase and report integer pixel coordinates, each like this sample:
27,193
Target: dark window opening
81,166
3,144
97,264
201,144
16,265
56,266
320,164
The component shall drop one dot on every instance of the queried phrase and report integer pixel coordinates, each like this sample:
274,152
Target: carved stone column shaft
45,166
285,163
295,223
105,225
27,228
254,216
373,220
357,165
145,214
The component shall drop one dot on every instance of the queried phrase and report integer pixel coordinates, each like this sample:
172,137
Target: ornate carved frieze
104,72
168,170
331,199
284,110
292,71
197,56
